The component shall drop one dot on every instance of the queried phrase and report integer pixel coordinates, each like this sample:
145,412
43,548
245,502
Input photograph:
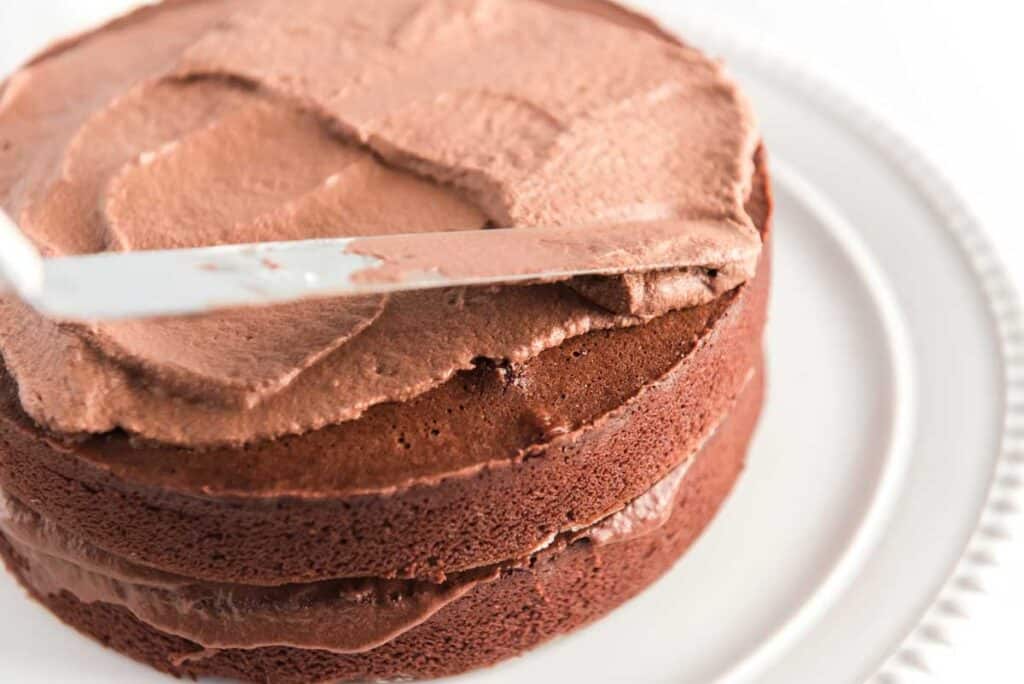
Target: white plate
889,452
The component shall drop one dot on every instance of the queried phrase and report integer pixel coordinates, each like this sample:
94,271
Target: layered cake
393,487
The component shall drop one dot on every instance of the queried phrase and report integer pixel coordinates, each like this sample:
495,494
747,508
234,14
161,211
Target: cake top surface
225,121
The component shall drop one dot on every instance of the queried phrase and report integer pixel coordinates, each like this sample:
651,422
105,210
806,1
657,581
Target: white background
945,72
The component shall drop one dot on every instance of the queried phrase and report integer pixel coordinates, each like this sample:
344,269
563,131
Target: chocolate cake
393,487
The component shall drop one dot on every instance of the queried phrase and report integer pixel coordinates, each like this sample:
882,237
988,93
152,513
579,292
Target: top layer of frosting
221,121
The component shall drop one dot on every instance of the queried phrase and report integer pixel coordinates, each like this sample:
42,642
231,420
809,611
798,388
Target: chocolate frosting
197,123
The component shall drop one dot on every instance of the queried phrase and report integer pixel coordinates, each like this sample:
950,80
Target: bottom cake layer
569,584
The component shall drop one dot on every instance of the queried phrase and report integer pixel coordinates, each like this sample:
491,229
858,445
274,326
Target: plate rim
914,654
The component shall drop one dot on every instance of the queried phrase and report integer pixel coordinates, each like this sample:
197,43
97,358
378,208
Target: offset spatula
124,285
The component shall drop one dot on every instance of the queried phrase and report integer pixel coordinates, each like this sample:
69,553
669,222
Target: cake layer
499,616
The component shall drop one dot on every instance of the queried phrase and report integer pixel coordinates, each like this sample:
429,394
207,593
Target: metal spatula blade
113,286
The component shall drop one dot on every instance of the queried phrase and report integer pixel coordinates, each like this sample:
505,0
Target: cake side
552,593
